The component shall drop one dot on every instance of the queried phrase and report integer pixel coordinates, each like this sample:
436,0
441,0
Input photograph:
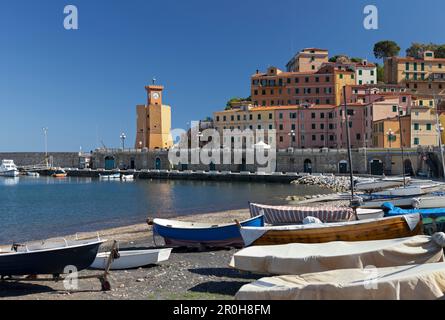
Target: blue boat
179,233
391,211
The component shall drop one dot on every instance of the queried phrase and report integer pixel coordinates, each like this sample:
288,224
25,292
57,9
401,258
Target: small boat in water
127,177
48,257
32,174
114,176
58,173
363,230
8,169
131,259
180,233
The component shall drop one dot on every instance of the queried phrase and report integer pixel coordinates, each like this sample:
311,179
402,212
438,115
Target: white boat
130,259
32,174
127,177
379,184
300,258
411,190
114,176
8,169
423,202
408,282
366,214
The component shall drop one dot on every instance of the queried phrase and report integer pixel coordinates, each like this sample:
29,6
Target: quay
146,174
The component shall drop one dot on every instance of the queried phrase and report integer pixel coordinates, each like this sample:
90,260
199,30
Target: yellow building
386,133
153,121
424,76
246,117
423,127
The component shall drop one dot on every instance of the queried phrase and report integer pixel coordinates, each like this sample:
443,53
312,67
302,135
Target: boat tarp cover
420,282
391,211
299,258
289,214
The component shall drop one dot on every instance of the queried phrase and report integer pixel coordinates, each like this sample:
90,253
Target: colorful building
308,60
386,133
424,76
278,88
153,121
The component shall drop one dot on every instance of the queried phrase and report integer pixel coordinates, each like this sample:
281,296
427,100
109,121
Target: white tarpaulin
297,258
426,281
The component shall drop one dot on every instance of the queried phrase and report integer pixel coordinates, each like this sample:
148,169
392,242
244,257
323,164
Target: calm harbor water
39,208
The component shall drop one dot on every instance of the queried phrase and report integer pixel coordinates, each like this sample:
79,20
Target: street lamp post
123,137
390,135
45,133
292,135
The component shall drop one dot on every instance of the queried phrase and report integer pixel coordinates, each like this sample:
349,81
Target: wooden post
104,279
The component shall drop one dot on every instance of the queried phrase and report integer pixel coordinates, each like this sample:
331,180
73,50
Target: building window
360,72
394,108
306,79
416,126
416,141
357,136
372,72
328,79
317,79
238,117
331,138
407,66
314,137
270,127
297,80
322,126
341,76
281,138
293,127
217,118
270,116
313,126
281,127
313,115
322,137
224,118
259,117
232,118
428,126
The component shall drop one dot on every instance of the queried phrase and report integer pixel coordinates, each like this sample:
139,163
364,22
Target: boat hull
9,173
130,259
377,229
218,236
51,261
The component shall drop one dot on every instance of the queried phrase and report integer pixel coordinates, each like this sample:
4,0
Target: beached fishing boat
363,230
48,257
392,211
409,282
130,259
379,184
180,233
411,190
299,258
282,215
423,202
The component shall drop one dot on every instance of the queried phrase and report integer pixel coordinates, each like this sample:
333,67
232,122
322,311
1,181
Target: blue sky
83,85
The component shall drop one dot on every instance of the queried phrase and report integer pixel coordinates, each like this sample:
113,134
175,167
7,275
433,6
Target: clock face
155,95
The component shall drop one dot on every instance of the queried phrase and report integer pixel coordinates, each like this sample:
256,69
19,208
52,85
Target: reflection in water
36,208
9,181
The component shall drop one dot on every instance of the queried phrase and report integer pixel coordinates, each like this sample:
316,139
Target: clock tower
153,121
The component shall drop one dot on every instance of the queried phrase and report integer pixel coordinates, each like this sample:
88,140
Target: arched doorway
343,166
132,163
212,166
376,167
158,164
408,167
307,166
110,163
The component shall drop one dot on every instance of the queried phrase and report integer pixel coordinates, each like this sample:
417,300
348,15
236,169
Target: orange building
278,88
308,60
153,121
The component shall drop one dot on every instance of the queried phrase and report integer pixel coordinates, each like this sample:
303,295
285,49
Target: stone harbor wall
59,159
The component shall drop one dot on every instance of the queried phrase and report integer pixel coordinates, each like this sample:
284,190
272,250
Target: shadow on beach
219,287
225,272
17,289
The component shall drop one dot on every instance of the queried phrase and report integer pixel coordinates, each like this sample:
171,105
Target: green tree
235,100
380,73
387,48
416,50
